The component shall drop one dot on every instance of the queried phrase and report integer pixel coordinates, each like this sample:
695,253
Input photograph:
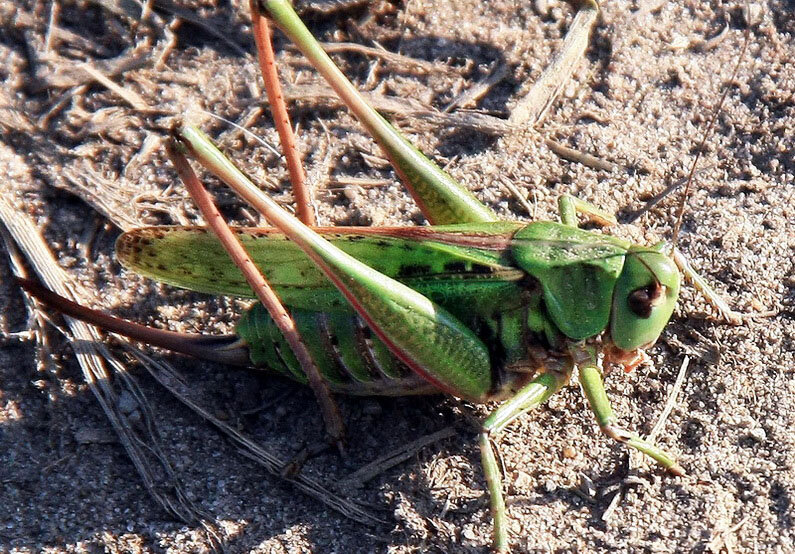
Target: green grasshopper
480,309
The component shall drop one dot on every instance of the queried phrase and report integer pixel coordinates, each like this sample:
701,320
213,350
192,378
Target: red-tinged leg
267,62
264,292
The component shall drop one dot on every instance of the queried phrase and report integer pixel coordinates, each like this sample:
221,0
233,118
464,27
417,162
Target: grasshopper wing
449,264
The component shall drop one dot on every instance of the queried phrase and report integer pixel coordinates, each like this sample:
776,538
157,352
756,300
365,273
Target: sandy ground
82,162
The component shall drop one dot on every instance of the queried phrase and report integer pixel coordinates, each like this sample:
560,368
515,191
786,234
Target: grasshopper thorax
596,287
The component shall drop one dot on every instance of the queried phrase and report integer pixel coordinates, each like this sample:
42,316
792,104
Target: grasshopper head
644,298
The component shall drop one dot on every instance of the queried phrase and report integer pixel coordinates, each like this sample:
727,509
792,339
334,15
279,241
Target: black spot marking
455,267
482,269
414,270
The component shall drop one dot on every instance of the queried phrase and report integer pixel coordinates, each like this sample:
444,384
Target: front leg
569,206
590,377
712,296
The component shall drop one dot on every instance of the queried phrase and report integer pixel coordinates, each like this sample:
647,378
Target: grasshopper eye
643,299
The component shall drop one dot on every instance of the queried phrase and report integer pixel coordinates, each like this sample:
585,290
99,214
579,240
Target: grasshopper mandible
473,307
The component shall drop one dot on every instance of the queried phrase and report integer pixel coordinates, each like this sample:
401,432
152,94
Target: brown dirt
640,99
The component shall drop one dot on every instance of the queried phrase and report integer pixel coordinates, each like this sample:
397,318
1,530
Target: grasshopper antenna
712,297
708,131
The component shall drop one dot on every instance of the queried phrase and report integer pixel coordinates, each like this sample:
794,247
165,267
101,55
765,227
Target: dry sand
73,153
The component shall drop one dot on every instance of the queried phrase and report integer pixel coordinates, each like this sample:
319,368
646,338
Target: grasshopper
480,309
